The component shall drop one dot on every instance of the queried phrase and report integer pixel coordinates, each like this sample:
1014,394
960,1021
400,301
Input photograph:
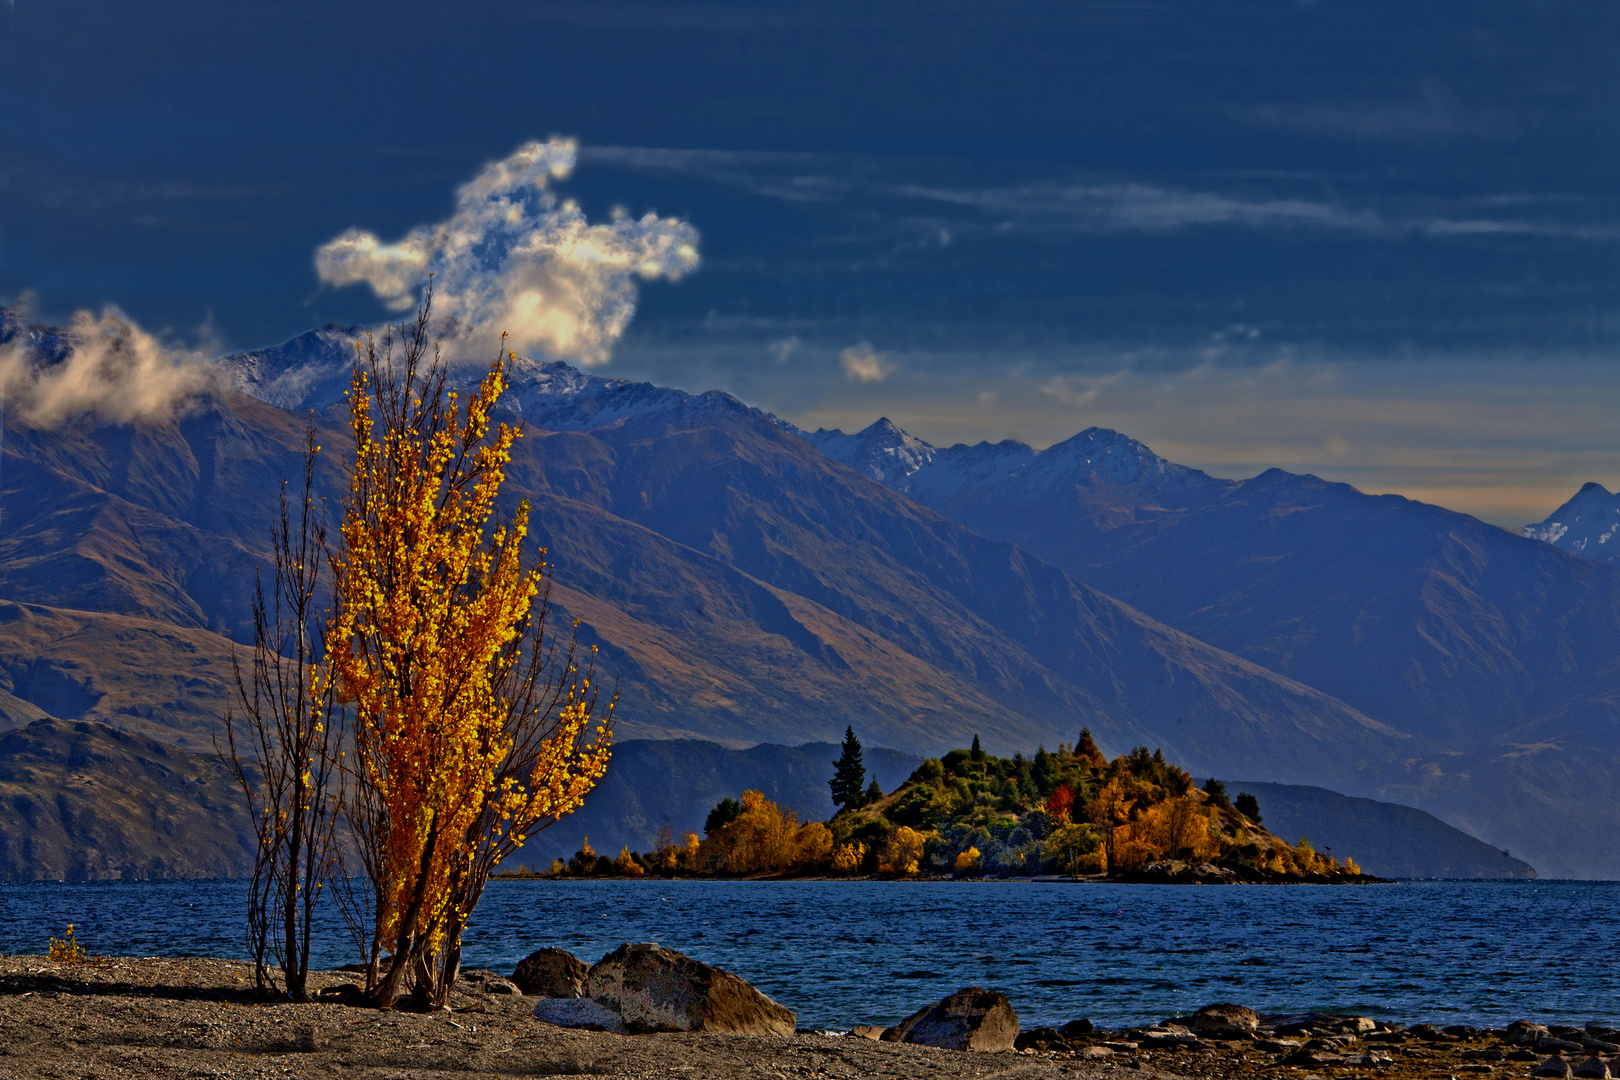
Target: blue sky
1376,241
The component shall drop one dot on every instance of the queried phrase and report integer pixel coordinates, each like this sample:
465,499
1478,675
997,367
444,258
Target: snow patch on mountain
313,370
881,451
936,476
1588,524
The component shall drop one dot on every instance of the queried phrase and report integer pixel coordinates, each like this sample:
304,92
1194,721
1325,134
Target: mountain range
747,583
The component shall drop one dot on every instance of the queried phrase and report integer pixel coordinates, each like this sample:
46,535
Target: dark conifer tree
977,751
848,781
874,792
1248,806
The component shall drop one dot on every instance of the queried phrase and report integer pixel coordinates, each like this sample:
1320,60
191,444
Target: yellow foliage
1350,867
813,847
626,864
586,853
847,858
67,950
558,867
459,750
760,840
691,851
967,861
904,852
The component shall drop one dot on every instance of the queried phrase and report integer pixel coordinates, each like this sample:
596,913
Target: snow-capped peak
1588,524
881,451
312,371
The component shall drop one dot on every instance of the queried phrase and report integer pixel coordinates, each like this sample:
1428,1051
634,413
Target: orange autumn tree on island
468,721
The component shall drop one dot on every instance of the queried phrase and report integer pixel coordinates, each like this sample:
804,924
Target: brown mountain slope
744,586
140,675
84,801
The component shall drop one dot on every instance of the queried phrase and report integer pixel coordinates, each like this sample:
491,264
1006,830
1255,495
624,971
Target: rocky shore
126,1017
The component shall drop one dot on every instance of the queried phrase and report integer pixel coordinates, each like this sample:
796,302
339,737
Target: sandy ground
126,1017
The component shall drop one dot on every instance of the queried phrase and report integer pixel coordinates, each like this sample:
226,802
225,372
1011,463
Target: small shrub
67,950
967,861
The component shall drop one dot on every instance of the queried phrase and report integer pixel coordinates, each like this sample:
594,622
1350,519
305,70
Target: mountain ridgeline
746,587
1493,653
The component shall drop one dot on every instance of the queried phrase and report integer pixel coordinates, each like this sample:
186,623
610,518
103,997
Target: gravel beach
126,1017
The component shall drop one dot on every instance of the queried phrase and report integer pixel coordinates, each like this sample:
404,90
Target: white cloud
863,365
514,259
102,366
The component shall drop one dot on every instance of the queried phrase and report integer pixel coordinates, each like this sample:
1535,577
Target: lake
845,953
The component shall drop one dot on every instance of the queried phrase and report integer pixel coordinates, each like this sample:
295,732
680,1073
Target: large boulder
656,989
551,973
1224,1022
970,1019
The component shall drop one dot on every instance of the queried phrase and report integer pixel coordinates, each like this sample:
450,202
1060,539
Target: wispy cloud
864,365
103,366
1085,205
512,258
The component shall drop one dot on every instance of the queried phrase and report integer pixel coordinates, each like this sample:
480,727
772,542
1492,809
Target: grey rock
867,1031
1163,1037
970,1019
1553,1066
580,1013
1075,1028
1594,1067
1549,1044
1041,1038
1224,1021
656,989
551,973
1600,1046
1277,1046
1524,1033
1094,1052
1374,1059
1308,1059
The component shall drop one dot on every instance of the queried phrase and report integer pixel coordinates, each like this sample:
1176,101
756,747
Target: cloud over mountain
514,259
104,366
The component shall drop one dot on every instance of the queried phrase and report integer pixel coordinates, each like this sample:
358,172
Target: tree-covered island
1069,812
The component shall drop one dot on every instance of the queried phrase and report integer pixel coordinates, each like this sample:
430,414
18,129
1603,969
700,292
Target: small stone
1076,1028
1375,1059
1549,1044
1041,1038
867,1031
1162,1038
1094,1052
1311,1059
1524,1033
1277,1046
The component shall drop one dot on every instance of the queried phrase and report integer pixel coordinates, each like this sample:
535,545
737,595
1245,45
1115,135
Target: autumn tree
279,742
471,723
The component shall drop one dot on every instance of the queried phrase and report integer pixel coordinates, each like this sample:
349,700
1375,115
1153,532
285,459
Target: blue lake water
844,953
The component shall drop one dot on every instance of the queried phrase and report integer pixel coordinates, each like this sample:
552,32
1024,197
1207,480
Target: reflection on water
844,953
